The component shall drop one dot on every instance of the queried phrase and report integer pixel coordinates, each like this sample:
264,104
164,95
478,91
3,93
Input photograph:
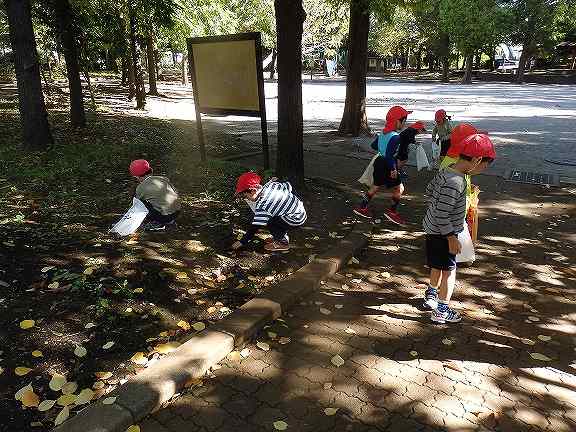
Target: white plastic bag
367,177
421,159
467,253
132,220
436,151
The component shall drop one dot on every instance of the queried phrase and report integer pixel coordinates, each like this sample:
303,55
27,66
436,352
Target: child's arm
261,219
391,150
434,133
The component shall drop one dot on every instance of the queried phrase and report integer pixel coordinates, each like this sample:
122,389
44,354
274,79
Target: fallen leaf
183,325
53,285
57,382
337,360
413,353
345,287
109,400
89,271
69,388
528,342
103,375
98,385
234,356
80,351
37,353
46,405
385,275
66,399
280,425
108,345
263,346
350,331
18,395
284,340
90,325
544,338
245,352
199,326
356,281
133,428
46,269
325,311
139,358
182,275
129,310
21,371
330,411
338,306
27,324
62,416
84,396
327,386
167,347
533,318
138,290
272,335
30,399
447,341
541,357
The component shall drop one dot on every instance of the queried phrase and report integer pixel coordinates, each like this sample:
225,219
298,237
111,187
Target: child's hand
454,246
236,245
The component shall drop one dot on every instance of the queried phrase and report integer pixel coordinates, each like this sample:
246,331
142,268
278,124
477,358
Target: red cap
478,145
139,167
440,115
419,125
247,181
459,133
394,113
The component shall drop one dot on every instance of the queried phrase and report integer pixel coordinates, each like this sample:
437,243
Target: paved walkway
509,366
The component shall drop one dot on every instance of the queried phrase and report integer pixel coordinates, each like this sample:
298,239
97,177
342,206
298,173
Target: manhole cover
527,177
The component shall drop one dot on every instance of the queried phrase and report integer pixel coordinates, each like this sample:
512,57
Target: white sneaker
450,316
430,303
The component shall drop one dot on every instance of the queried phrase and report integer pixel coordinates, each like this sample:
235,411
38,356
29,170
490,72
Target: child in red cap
157,194
386,166
445,219
275,207
407,137
442,131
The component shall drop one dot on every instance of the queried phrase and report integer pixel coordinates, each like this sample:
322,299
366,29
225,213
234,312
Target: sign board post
228,79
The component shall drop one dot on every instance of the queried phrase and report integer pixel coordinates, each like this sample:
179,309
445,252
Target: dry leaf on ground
103,375
541,357
183,325
80,351
337,360
67,399
69,388
46,405
26,324
21,370
330,411
37,353
30,399
199,326
280,425
84,396
325,311
108,345
139,358
57,382
18,395
62,416
133,428
109,400
263,346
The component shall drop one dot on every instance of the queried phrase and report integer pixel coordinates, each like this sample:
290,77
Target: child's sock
442,306
431,293
366,199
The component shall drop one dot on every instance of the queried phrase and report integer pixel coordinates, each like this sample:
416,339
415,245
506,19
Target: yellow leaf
89,325
284,340
67,399
182,275
30,399
37,353
199,326
167,347
413,353
211,310
103,375
139,358
46,269
53,285
18,395
109,401
62,416
337,360
80,351
98,385
325,311
57,382
108,345
46,405
84,396
447,341
544,338
138,290
263,346
69,388
330,411
129,310
280,425
234,356
133,428
21,371
26,324
89,271
183,325
163,334
1,370
541,357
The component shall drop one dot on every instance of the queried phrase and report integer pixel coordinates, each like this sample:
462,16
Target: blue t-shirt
388,145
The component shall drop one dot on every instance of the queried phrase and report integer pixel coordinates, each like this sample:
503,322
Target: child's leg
396,195
279,229
447,283
431,294
369,195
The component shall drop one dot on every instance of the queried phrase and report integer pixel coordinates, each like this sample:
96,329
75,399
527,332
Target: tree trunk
156,62
68,41
124,72
36,133
478,60
445,55
492,59
153,90
90,89
469,62
419,60
524,57
273,63
184,69
354,120
290,17
131,80
138,76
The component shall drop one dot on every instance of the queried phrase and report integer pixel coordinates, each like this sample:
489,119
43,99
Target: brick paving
400,372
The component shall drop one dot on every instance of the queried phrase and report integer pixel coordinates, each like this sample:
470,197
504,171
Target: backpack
375,143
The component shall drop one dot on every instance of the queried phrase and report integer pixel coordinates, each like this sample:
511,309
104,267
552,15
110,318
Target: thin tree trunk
524,57
124,72
153,90
492,59
354,120
156,62
273,64
445,55
290,17
419,60
184,69
573,61
478,60
138,76
36,133
68,41
131,80
469,62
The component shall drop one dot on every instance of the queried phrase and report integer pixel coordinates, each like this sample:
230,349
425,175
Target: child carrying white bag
132,220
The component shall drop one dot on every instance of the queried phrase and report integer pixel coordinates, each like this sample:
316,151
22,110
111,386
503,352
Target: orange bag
472,215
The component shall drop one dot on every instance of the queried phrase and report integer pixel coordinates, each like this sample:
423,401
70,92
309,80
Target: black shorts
437,253
382,174
444,146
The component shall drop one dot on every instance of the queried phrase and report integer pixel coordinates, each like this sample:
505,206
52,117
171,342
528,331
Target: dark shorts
382,174
444,146
437,253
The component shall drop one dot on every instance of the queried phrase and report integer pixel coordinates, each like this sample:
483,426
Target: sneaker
363,211
430,301
450,316
277,246
393,216
154,227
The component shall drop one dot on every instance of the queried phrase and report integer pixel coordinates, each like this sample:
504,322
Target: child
157,194
444,220
385,166
442,131
407,137
276,208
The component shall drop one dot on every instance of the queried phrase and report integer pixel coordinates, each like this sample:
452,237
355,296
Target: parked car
508,65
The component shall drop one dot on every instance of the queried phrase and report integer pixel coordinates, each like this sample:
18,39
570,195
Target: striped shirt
446,195
277,199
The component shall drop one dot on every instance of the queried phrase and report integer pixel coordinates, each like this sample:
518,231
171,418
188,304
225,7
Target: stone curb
156,385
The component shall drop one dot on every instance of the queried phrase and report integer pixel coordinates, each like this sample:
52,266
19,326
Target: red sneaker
277,246
363,211
393,216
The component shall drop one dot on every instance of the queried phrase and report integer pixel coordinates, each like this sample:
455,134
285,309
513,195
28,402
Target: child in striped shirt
276,208
444,220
